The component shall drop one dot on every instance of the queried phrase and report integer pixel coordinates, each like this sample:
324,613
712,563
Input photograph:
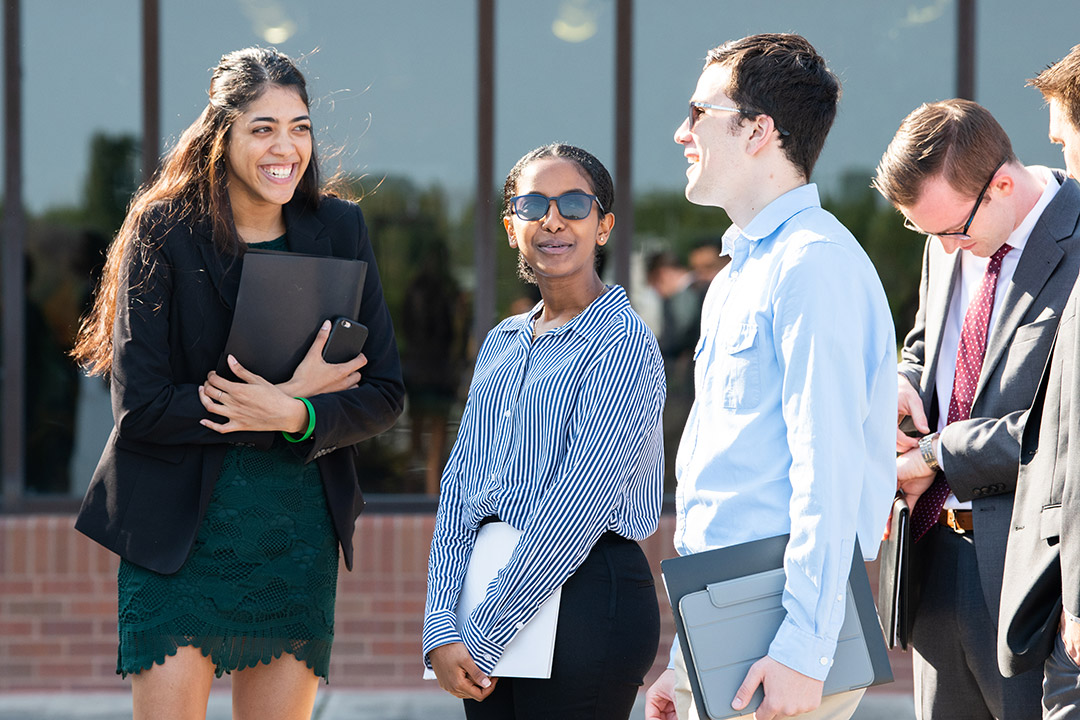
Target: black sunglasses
574,205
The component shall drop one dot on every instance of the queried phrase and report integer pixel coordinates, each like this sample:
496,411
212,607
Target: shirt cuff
1070,617
484,652
799,650
440,628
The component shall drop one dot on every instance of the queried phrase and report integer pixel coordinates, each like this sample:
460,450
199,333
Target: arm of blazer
165,301
350,416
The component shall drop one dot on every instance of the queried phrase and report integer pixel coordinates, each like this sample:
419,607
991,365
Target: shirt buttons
508,414
520,625
839,597
824,661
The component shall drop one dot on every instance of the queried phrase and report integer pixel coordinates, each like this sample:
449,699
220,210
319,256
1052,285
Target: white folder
529,653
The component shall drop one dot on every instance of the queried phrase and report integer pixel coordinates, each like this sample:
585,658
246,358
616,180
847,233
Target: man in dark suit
1040,602
1001,258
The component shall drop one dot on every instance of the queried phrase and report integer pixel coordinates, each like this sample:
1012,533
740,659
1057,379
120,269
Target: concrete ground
339,705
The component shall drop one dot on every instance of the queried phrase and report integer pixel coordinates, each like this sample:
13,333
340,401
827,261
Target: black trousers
606,640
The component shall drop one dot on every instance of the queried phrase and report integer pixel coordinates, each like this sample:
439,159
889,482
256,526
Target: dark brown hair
192,186
958,138
781,75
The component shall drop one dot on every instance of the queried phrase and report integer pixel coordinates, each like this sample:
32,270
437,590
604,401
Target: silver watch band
926,448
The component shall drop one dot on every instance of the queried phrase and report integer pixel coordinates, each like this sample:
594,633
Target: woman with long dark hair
228,500
561,441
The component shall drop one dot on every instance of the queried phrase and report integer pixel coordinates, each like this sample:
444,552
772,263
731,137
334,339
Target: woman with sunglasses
561,440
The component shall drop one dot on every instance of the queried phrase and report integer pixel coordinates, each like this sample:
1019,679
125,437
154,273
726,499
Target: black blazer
153,483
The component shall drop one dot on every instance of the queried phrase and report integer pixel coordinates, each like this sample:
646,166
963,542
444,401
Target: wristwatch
926,448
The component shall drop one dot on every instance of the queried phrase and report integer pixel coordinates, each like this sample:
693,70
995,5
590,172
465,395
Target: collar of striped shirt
594,315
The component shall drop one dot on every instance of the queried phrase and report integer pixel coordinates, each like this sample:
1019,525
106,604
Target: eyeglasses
963,234
574,205
697,109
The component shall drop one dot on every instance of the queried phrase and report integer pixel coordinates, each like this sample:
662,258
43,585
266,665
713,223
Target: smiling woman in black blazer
228,501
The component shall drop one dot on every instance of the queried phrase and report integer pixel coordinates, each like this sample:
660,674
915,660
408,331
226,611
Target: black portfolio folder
727,608
894,595
283,300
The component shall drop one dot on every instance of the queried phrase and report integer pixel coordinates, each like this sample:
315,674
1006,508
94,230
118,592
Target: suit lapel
224,272
305,232
944,274
1041,255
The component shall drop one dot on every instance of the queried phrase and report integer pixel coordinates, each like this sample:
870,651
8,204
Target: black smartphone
346,340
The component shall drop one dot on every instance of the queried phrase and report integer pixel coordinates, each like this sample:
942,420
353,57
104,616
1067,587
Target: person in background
229,502
561,438
791,431
680,302
706,261
1001,256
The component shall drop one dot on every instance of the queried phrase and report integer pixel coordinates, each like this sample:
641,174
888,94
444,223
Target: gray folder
727,607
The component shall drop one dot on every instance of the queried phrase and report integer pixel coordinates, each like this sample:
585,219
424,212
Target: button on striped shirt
561,438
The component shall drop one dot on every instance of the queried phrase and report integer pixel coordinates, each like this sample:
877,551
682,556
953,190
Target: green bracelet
310,423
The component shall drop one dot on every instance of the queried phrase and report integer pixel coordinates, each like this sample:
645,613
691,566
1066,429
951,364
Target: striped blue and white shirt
561,438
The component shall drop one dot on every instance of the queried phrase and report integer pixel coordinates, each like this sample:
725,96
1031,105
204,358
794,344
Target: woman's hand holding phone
315,376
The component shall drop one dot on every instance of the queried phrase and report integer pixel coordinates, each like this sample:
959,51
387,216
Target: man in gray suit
1000,261
1040,602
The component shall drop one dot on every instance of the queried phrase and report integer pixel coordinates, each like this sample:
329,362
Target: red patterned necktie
969,358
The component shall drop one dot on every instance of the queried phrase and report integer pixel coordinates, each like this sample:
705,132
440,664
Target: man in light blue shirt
793,425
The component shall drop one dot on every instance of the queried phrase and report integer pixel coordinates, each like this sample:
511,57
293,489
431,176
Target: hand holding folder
727,607
283,300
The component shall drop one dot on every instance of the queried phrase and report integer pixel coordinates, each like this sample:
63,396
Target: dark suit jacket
981,455
1042,565
153,482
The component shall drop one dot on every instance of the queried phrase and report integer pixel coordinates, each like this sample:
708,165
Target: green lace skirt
260,581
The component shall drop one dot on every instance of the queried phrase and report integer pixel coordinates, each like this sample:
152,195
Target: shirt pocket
738,366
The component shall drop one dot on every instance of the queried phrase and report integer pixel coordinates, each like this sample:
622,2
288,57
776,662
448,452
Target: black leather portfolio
283,299
894,595
727,607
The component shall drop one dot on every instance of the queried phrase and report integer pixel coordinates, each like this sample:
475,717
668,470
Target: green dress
261,579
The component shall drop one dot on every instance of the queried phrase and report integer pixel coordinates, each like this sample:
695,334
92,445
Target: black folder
894,578
283,299
727,608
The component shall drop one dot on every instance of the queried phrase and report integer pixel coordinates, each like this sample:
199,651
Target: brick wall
58,606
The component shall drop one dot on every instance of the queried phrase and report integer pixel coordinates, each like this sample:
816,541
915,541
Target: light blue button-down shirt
793,427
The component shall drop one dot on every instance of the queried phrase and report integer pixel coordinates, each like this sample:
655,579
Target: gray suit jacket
1042,566
981,455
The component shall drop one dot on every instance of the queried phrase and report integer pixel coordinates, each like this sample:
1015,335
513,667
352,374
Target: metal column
14,296
483,219
624,116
